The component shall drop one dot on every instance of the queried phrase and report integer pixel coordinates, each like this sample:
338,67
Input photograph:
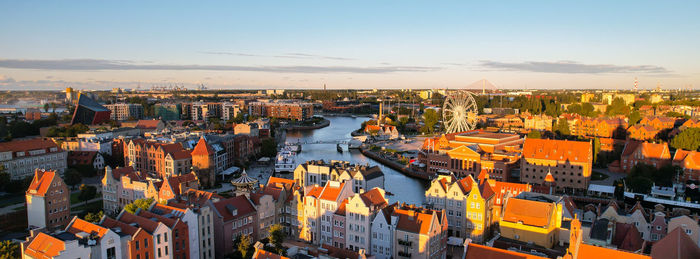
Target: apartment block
21,157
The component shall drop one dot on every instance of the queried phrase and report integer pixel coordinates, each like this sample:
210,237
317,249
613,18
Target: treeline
18,128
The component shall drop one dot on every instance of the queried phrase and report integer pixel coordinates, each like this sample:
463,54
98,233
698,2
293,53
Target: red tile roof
262,254
533,213
374,197
81,157
242,205
202,148
342,208
141,222
561,150
41,182
44,246
315,192
627,237
501,188
331,193
125,228
687,159
147,124
415,220
28,145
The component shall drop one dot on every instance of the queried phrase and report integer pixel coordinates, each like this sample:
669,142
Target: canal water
404,188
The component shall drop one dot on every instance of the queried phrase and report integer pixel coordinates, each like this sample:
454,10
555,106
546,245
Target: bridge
336,141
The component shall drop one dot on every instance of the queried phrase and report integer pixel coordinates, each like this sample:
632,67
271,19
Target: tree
87,192
534,134
596,149
94,217
143,204
268,147
617,107
72,177
277,236
634,117
430,118
244,246
46,107
562,127
688,139
9,250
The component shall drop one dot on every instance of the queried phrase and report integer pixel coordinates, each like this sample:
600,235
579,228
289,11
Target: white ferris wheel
459,113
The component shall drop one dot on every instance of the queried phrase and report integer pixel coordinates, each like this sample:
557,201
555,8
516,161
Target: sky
50,45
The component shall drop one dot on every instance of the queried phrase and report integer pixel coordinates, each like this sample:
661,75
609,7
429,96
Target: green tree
72,177
143,204
87,192
9,250
617,107
94,217
244,246
634,117
562,127
268,147
46,107
277,237
688,139
430,118
534,134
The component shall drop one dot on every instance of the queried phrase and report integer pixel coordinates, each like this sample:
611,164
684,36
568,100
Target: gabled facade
635,152
383,233
531,221
233,217
689,162
107,243
48,201
420,233
568,161
360,212
688,225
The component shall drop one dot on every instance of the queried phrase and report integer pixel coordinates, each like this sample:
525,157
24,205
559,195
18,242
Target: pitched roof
241,204
476,251
138,221
342,209
687,159
192,196
202,148
28,145
127,171
675,245
315,192
41,182
330,192
501,188
627,237
262,254
85,101
147,124
45,246
533,213
81,157
562,150
654,150
373,197
125,228
415,220
589,251
78,225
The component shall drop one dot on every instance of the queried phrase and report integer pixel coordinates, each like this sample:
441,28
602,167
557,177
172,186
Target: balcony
404,254
405,242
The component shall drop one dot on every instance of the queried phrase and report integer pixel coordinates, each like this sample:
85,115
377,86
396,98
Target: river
404,188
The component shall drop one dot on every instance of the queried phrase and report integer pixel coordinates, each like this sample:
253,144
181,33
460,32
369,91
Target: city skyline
304,45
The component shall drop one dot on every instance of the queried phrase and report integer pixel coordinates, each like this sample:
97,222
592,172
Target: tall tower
324,87
381,109
483,86
635,84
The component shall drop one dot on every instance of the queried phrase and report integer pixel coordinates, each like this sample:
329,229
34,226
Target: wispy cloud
101,64
571,67
285,55
6,79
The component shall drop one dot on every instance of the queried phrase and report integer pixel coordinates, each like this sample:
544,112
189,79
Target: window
111,253
136,245
158,242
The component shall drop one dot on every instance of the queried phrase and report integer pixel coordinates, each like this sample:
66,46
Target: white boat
294,147
285,162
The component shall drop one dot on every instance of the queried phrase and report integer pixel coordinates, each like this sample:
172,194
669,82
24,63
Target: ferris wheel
459,113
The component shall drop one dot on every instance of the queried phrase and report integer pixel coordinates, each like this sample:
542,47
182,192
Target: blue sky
349,44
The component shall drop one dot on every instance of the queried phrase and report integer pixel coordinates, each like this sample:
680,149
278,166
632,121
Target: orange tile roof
342,208
315,192
533,213
202,148
501,188
687,159
125,228
78,225
331,193
561,150
240,203
147,124
41,182
476,251
141,222
45,246
653,150
262,254
589,251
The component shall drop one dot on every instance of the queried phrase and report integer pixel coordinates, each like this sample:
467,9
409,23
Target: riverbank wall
323,124
396,166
